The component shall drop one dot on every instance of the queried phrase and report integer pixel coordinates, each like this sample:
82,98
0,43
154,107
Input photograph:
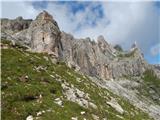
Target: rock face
131,66
91,57
100,59
75,95
116,106
11,27
42,35
45,34
94,58
16,25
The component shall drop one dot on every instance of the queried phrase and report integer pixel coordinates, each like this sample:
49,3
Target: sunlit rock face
92,57
42,35
88,56
45,34
100,59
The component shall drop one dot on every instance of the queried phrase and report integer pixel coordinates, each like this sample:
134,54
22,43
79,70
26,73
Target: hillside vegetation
31,85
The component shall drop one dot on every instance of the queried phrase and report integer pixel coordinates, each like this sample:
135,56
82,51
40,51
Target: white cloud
12,9
128,21
132,21
155,50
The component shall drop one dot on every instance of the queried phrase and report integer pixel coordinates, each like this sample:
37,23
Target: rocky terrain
47,71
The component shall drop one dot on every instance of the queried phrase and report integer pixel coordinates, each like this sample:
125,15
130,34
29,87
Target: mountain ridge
92,58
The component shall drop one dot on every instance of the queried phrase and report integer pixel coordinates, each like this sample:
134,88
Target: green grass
151,83
149,76
19,97
126,55
118,47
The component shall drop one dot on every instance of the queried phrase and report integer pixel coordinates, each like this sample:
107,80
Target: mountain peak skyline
119,22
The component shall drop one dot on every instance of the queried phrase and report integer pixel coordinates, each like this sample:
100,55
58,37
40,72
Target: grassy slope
17,63
151,83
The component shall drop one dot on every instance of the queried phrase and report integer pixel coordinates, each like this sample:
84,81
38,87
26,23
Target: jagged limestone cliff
94,58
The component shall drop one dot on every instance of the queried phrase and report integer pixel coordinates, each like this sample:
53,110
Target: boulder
113,103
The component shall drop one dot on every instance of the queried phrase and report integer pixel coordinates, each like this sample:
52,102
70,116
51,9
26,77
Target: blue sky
119,22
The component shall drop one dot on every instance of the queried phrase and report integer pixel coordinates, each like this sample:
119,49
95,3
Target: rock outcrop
100,59
42,35
94,58
75,95
90,56
16,25
116,106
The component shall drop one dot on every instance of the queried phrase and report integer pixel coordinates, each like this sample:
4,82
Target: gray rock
15,25
30,117
75,95
41,35
95,117
113,103
142,103
58,101
74,118
94,58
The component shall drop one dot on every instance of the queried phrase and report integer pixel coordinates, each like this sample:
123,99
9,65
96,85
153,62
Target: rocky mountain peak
45,16
137,51
101,40
42,35
20,18
11,26
134,46
89,57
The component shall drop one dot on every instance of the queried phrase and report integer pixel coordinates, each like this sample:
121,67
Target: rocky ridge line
97,59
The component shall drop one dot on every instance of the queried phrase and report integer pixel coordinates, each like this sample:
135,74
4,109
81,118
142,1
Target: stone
83,112
52,76
92,105
114,104
43,111
40,68
58,101
24,78
40,96
39,113
74,118
95,117
30,117
75,95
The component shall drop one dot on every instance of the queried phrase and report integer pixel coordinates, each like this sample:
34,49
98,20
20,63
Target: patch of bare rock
75,95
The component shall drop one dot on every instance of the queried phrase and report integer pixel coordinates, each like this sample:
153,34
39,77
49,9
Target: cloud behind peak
119,22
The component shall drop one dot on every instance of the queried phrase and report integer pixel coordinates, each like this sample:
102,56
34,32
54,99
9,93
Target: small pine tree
118,47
